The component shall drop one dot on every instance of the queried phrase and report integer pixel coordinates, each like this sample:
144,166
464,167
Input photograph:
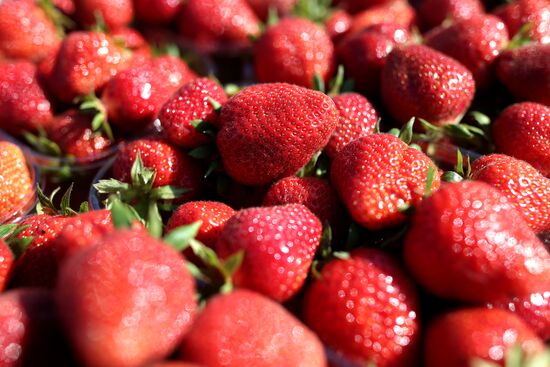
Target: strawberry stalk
100,122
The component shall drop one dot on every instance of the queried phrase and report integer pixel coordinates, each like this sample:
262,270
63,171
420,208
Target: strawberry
525,72
23,103
470,235
157,12
85,62
6,264
432,13
233,331
142,291
174,70
269,131
192,102
294,51
279,244
377,175
525,187
355,6
528,126
115,14
218,24
173,364
418,81
474,42
26,32
338,24
262,7
366,309
519,13
172,167
457,338
397,12
16,185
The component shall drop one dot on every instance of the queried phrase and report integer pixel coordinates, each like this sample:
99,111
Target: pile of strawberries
298,183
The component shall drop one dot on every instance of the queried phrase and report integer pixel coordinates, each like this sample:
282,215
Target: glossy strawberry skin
468,235
26,32
518,13
376,175
269,131
174,71
354,6
461,336
115,14
397,12
338,24
191,102
142,290
410,90
365,308
16,186
261,7
525,72
279,244
521,183
433,12
23,103
475,43
6,264
233,331
157,11
284,53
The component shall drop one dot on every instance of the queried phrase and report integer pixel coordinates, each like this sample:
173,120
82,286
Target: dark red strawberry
262,7
355,6
23,103
474,42
338,24
26,32
534,14
525,187
396,12
525,72
243,328
468,235
418,81
194,101
294,51
269,131
457,338
365,308
157,11
115,14
279,244
142,291
6,264
432,13
379,175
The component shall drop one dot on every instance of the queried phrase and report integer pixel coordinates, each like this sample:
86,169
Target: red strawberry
523,131
279,244
355,6
433,12
23,103
85,62
192,102
510,14
173,364
338,24
243,328
174,70
26,32
365,308
214,24
294,51
269,131
474,42
521,183
172,166
536,13
115,14
418,81
142,291
6,264
378,174
261,7
468,235
525,72
397,12
457,338
157,11
129,38
16,186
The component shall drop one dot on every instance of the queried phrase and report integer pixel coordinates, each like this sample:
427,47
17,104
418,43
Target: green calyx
47,206
516,357
522,37
337,85
462,169
41,143
60,20
314,10
9,233
100,122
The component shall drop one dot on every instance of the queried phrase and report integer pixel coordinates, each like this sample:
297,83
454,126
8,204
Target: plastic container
94,197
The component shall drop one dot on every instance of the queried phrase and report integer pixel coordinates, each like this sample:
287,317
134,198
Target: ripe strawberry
191,102
294,51
468,235
23,103
115,14
432,13
157,12
378,174
457,338
173,364
174,71
279,244
525,187
261,7
418,81
85,62
215,24
6,264
397,12
142,291
355,6
172,166
525,72
510,14
338,24
365,309
474,42
26,32
523,131
270,131
233,331
536,13
16,186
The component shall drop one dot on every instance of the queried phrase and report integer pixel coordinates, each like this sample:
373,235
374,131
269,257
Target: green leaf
204,127
451,176
481,118
325,245
341,255
406,133
46,203
111,186
204,151
231,89
337,82
180,236
430,175
272,16
314,10
123,215
429,127
7,229
19,245
459,131
541,359
395,132
167,192
232,263
206,254
217,105
66,202
309,168
196,272
42,144
154,220
83,207
318,83
377,126
459,167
